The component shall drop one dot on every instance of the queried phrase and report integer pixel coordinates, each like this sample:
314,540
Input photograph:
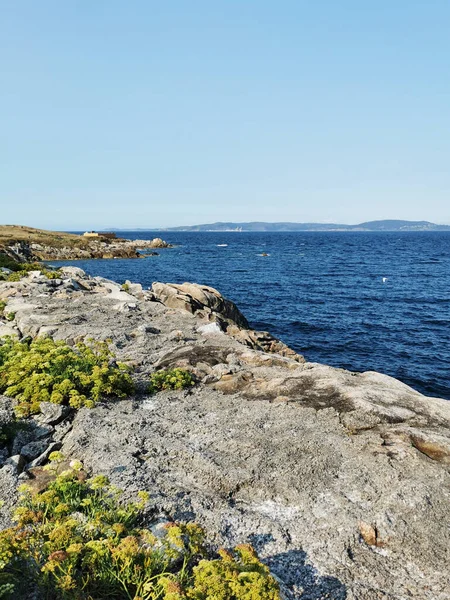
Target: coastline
26,244
310,460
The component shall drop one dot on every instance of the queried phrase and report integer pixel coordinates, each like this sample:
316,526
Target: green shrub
22,270
238,574
77,541
51,274
8,263
50,371
125,287
170,379
10,316
16,275
2,307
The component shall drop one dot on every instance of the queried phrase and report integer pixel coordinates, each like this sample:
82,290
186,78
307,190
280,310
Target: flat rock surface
340,480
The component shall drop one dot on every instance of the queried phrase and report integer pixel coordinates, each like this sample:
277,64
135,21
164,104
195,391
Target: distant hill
386,225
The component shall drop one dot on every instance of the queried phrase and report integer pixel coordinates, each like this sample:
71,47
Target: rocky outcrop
202,300
340,480
157,243
88,248
207,303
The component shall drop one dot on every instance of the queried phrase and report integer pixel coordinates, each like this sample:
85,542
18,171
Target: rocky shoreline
340,480
25,244
25,251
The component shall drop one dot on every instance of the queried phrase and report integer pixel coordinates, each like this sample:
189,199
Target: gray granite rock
52,414
43,457
16,462
34,449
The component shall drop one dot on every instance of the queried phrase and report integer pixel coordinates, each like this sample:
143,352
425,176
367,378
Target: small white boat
221,245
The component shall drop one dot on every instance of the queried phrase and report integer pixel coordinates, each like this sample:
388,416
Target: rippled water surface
324,293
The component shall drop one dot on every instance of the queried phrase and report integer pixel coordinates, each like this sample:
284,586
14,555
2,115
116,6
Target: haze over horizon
153,115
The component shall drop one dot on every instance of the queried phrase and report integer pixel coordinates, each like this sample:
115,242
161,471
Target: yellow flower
67,583
56,456
76,465
99,482
144,496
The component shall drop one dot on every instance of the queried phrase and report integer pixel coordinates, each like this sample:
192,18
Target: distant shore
29,244
383,225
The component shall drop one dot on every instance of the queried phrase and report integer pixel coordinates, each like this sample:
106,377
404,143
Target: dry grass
9,234
17,233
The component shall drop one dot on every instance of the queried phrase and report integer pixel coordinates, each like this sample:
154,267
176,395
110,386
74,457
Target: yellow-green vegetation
170,379
7,262
125,287
24,269
45,370
77,541
2,307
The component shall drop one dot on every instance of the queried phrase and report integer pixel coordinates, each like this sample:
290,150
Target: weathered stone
8,494
27,432
6,410
72,271
34,449
264,341
159,243
142,330
17,462
9,330
210,329
436,447
48,331
42,458
4,454
126,307
193,298
52,413
134,289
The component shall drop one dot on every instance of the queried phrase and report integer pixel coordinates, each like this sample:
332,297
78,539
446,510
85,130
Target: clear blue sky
143,113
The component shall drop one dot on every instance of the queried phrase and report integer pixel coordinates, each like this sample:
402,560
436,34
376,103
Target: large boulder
159,243
194,298
206,301
263,340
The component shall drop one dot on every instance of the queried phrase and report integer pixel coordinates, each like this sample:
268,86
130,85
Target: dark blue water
323,293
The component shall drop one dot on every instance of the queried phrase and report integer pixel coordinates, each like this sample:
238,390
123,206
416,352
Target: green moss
170,379
45,370
77,541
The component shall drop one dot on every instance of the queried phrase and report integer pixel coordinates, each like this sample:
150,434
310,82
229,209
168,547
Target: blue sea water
323,293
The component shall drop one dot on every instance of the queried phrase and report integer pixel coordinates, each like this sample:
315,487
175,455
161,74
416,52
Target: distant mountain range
386,225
